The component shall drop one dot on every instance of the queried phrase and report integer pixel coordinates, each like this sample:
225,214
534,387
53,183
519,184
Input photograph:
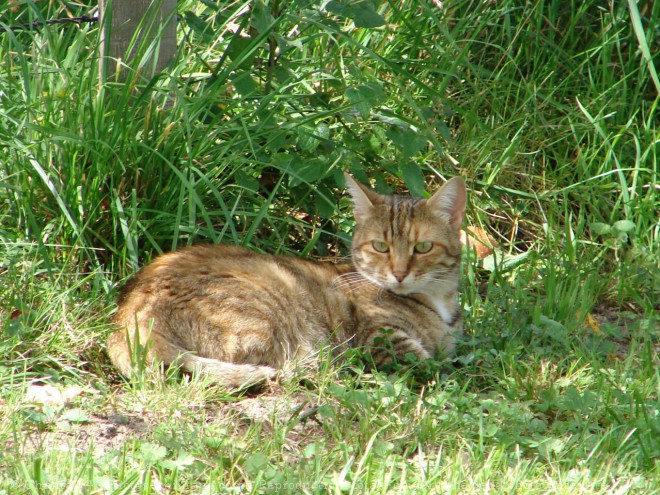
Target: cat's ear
364,198
450,201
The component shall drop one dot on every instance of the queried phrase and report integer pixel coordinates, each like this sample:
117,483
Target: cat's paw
395,346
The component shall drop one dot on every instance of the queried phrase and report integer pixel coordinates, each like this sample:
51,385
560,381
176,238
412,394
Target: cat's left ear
364,198
450,201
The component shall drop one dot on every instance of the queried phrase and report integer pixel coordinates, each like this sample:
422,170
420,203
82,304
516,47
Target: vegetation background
549,109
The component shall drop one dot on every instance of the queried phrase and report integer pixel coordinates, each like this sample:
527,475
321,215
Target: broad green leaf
256,462
326,411
75,415
444,130
365,97
551,447
309,171
283,74
309,452
383,449
413,177
413,143
212,5
241,53
406,139
246,181
306,139
310,138
152,453
322,131
199,26
491,430
624,226
244,84
261,18
277,139
600,228
373,92
35,417
364,15
325,207
183,460
360,104
338,8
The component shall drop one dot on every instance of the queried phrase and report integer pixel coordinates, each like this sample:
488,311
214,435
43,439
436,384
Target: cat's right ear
363,198
450,201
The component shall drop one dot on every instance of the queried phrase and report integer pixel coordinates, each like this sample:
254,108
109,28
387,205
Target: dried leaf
478,239
50,395
592,323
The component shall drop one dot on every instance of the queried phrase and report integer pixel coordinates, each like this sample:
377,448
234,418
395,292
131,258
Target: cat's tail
129,356
228,375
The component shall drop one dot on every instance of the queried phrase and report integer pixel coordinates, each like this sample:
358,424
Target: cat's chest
447,309
444,305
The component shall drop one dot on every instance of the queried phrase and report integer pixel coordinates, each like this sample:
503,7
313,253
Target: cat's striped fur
240,316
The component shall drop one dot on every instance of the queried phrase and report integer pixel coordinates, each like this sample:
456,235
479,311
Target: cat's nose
400,275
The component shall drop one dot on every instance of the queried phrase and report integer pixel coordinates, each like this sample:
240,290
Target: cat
240,316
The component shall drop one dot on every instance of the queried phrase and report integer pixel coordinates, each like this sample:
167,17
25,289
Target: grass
548,109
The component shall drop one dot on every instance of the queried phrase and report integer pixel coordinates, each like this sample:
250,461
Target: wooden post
129,31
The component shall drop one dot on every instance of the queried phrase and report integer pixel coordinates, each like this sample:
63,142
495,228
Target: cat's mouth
401,288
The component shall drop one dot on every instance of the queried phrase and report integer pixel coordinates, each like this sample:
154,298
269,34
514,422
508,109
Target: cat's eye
380,246
423,247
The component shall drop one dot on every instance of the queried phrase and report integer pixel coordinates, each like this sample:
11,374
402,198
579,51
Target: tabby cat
240,316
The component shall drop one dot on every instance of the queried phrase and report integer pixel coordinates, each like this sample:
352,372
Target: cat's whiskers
350,276
352,286
351,281
441,274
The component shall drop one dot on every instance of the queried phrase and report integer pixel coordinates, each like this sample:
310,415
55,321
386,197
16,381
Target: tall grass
548,109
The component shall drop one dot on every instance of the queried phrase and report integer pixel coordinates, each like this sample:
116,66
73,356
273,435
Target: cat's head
408,245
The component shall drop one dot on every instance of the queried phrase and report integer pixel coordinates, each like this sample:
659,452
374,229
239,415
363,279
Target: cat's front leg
388,345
